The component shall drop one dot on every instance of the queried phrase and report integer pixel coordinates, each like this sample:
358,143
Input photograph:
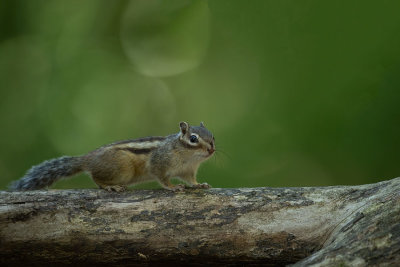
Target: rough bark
327,226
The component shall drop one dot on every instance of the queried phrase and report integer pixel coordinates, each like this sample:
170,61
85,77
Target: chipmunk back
115,166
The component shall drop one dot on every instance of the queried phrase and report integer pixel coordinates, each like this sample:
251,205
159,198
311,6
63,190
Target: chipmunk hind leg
113,188
107,183
116,174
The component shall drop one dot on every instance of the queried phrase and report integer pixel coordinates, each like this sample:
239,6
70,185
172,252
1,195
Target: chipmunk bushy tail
48,172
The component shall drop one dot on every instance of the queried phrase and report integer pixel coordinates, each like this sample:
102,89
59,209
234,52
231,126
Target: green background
297,93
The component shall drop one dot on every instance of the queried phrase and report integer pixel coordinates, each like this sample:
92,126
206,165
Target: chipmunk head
197,138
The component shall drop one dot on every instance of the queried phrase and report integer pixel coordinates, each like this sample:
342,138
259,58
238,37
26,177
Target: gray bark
325,226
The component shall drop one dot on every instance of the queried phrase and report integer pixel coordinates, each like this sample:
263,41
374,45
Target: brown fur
115,166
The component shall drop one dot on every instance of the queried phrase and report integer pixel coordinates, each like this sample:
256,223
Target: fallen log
328,226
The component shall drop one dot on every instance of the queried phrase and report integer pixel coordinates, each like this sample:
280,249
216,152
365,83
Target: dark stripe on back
137,150
144,139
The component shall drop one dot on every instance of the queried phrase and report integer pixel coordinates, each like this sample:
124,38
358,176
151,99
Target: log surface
326,226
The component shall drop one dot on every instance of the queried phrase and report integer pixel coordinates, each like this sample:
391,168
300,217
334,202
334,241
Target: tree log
327,226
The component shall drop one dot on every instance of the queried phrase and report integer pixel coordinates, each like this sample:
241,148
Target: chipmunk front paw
201,186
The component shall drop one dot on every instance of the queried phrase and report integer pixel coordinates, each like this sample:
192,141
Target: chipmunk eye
193,139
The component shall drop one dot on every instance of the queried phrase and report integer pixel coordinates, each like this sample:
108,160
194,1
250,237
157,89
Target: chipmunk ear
184,127
202,124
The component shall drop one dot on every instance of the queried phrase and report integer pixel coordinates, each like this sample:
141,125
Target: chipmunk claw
115,188
201,186
178,188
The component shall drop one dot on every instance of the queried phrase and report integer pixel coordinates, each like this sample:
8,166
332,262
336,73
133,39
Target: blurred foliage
297,93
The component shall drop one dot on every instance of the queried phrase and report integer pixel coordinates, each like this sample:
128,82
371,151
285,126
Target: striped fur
126,162
137,151
148,139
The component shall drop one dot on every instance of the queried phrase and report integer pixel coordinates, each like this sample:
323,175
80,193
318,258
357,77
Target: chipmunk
115,166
